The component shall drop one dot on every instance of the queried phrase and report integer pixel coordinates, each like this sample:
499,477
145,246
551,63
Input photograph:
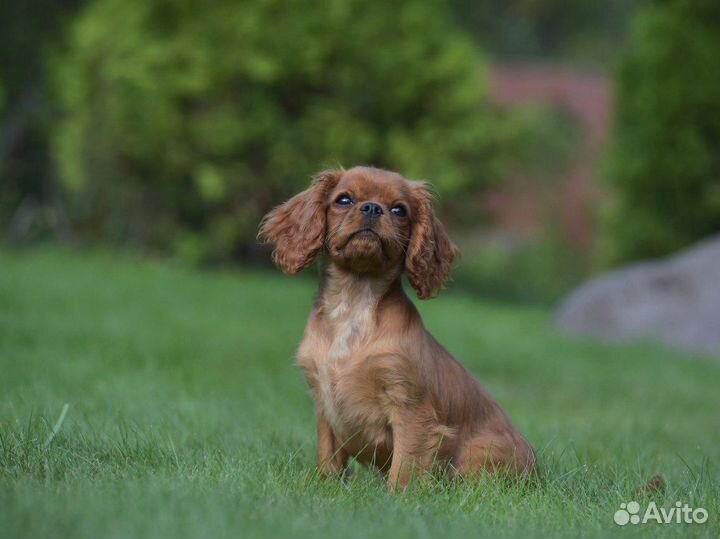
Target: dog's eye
344,200
398,211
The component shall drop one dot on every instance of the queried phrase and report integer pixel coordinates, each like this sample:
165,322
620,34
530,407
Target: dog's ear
297,228
430,254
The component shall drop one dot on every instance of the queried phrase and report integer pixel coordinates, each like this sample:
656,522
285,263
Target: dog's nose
371,211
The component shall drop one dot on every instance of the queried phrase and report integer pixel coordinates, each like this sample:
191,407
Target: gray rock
675,301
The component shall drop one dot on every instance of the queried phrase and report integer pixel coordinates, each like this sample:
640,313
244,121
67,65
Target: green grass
187,417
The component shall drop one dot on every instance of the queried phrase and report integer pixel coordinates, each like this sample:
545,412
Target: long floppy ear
430,254
297,228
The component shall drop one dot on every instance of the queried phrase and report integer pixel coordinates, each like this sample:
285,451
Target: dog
386,393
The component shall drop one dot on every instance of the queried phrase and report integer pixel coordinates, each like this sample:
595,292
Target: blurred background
574,146
563,137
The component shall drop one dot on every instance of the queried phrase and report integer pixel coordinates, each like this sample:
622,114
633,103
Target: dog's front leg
332,458
415,446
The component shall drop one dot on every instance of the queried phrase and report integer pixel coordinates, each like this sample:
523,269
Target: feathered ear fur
297,228
430,253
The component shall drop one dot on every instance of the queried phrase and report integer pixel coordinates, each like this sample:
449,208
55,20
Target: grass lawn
187,417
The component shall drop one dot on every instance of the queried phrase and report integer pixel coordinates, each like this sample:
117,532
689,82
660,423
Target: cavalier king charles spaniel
386,393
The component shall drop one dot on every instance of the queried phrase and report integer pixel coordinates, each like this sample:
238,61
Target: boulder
675,301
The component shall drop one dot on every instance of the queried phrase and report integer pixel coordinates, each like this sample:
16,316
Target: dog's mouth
365,233
362,234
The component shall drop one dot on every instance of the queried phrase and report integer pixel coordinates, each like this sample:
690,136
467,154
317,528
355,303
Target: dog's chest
351,325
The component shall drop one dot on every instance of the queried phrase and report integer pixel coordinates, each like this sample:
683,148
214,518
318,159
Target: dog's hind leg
507,452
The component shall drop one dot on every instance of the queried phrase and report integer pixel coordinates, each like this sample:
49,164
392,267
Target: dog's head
369,222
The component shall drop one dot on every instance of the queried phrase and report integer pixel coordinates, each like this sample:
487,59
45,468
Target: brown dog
386,392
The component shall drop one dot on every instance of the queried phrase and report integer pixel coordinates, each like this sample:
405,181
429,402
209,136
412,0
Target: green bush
184,123
556,30
665,160
535,266
538,272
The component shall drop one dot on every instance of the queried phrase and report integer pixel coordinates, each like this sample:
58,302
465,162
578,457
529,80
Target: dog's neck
349,305
344,294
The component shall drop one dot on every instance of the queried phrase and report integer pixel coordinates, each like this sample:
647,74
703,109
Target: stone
675,301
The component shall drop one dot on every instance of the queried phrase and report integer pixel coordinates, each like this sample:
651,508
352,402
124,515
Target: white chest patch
351,319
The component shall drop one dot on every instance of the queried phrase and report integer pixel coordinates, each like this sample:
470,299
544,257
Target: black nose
371,211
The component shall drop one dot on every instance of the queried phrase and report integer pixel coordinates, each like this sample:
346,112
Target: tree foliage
27,31
184,123
665,160
569,30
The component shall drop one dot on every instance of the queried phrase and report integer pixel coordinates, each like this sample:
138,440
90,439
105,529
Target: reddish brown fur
386,392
